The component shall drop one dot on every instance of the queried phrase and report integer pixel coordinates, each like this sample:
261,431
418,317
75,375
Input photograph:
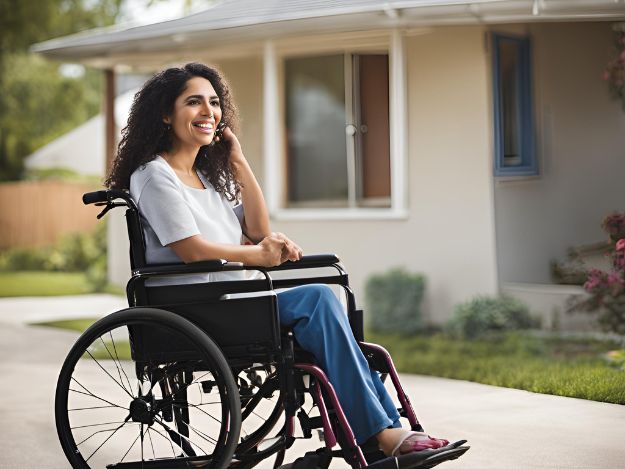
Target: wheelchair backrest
136,237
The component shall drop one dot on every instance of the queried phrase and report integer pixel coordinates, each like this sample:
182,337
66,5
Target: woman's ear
166,120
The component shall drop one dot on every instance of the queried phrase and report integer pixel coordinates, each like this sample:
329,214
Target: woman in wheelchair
199,200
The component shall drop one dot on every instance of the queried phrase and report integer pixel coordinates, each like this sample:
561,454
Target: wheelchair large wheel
118,407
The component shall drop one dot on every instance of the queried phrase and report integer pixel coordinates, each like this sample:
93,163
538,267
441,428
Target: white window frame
274,153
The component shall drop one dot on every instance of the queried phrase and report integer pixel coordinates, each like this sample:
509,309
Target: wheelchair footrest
430,457
319,459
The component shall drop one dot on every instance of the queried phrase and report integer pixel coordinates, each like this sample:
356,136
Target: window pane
374,130
509,73
315,123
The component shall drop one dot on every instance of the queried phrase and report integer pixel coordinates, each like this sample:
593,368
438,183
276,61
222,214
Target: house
473,141
82,150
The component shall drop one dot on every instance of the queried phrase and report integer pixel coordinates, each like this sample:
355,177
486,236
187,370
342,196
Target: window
337,131
514,133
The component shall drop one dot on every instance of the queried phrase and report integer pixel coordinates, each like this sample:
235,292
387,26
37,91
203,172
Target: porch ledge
543,288
302,214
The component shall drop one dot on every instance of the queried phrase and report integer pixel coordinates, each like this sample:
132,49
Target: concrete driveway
506,428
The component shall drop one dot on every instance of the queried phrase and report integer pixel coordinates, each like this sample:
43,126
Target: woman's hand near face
236,153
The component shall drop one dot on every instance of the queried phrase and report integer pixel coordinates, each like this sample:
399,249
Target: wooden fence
38,213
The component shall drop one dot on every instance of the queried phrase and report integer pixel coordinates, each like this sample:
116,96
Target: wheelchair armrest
308,262
221,265
217,265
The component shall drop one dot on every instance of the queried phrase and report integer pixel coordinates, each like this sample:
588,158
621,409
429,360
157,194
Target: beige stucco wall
581,147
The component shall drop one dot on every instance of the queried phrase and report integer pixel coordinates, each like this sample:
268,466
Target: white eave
243,24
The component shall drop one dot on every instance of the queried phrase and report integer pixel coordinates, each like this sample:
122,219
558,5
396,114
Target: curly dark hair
146,135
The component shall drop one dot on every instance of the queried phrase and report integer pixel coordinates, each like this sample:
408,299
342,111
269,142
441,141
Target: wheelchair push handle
106,196
110,199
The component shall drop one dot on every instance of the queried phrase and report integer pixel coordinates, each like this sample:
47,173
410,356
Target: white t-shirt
171,211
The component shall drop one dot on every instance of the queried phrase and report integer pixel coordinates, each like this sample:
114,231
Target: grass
562,367
78,325
99,350
41,283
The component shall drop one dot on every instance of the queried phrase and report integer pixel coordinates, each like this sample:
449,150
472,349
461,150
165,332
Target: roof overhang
240,26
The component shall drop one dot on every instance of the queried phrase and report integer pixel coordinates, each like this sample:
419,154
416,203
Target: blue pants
322,328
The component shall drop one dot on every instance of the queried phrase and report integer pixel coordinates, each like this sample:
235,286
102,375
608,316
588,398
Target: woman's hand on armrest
268,253
291,251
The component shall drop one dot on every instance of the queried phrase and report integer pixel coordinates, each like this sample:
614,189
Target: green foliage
61,174
37,104
484,315
563,367
394,301
77,252
43,284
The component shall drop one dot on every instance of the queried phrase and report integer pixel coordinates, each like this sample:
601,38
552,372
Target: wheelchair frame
216,310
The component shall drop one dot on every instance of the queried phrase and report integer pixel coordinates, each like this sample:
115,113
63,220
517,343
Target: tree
37,103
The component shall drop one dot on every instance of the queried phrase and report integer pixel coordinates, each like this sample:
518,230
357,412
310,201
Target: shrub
394,301
77,252
484,315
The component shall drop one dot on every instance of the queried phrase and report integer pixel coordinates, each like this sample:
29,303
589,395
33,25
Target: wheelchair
203,375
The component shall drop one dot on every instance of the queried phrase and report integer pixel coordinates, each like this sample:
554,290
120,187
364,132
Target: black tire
106,396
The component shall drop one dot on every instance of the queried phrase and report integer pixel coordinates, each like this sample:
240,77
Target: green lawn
573,368
42,284
98,350
79,325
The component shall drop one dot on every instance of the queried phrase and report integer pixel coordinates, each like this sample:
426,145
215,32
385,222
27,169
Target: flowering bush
607,289
614,225
614,73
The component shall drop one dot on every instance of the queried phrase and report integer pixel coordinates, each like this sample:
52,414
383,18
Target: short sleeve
238,211
163,206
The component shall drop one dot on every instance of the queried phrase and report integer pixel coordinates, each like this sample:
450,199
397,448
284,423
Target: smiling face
195,115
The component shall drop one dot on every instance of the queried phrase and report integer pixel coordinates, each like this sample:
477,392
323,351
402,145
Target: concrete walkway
506,428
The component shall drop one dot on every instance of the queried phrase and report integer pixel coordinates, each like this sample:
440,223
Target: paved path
507,428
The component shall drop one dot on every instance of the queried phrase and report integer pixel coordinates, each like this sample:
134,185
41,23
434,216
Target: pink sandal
417,441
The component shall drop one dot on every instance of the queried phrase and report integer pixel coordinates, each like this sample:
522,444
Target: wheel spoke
95,425
90,394
169,440
117,361
168,429
201,410
105,371
101,431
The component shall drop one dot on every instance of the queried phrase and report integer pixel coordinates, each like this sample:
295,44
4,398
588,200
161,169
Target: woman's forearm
256,215
196,249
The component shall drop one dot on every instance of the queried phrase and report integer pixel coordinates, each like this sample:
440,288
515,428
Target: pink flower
594,281
620,244
614,278
606,75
